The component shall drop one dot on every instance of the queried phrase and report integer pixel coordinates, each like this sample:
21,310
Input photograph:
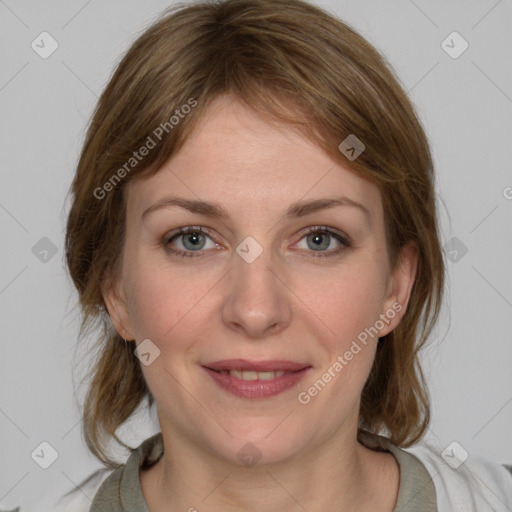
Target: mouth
256,379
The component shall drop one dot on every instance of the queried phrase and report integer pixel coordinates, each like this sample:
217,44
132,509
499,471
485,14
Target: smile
256,380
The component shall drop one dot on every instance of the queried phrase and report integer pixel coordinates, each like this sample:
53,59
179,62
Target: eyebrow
297,209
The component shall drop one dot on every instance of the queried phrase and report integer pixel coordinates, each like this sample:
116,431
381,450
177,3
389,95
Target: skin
287,304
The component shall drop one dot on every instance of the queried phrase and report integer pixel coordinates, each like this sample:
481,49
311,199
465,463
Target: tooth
249,375
266,375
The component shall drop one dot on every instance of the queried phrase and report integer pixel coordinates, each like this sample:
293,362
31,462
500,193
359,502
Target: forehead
242,160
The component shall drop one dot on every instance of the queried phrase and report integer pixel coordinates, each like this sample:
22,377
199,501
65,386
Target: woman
254,225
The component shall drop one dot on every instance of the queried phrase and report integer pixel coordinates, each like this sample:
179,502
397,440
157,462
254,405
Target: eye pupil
196,239
320,241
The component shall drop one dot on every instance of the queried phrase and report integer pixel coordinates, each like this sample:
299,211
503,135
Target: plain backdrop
465,104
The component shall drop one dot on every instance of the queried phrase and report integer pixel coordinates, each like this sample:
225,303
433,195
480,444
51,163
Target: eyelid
341,237
189,229
344,240
303,232
325,229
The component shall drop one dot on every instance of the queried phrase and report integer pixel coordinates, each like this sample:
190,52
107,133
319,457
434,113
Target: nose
257,302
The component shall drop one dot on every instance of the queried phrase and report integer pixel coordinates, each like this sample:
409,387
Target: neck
342,475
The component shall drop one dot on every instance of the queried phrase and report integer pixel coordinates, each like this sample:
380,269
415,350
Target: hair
296,64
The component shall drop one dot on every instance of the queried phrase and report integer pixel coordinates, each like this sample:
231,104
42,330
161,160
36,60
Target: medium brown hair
292,62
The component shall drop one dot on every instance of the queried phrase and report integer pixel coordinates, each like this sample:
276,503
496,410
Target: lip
256,366
256,389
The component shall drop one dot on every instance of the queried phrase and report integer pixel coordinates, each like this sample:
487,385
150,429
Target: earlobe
400,286
117,308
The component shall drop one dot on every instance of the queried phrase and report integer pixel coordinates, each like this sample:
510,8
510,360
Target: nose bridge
254,267
256,302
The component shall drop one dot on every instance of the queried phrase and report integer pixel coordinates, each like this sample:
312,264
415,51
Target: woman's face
295,270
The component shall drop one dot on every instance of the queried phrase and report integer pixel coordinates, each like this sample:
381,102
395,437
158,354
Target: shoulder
80,498
464,482
111,490
121,490
416,492
459,482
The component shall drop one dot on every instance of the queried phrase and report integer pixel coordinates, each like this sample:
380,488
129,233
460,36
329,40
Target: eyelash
344,241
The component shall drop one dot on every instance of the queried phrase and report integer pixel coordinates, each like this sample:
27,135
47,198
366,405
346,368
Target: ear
114,297
400,283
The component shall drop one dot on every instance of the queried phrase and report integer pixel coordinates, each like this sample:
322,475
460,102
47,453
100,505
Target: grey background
465,105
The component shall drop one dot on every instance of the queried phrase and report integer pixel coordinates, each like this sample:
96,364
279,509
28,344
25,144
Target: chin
259,443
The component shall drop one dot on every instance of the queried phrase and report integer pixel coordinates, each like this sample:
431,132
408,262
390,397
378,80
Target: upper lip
256,366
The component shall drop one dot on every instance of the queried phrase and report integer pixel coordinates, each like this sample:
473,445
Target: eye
319,241
323,241
188,240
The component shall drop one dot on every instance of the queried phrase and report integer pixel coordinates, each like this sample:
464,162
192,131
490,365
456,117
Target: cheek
344,314
344,303
163,303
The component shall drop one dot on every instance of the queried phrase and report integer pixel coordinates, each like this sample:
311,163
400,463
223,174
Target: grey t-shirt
121,490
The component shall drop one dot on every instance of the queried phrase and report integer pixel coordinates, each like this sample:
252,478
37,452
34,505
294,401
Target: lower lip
257,388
